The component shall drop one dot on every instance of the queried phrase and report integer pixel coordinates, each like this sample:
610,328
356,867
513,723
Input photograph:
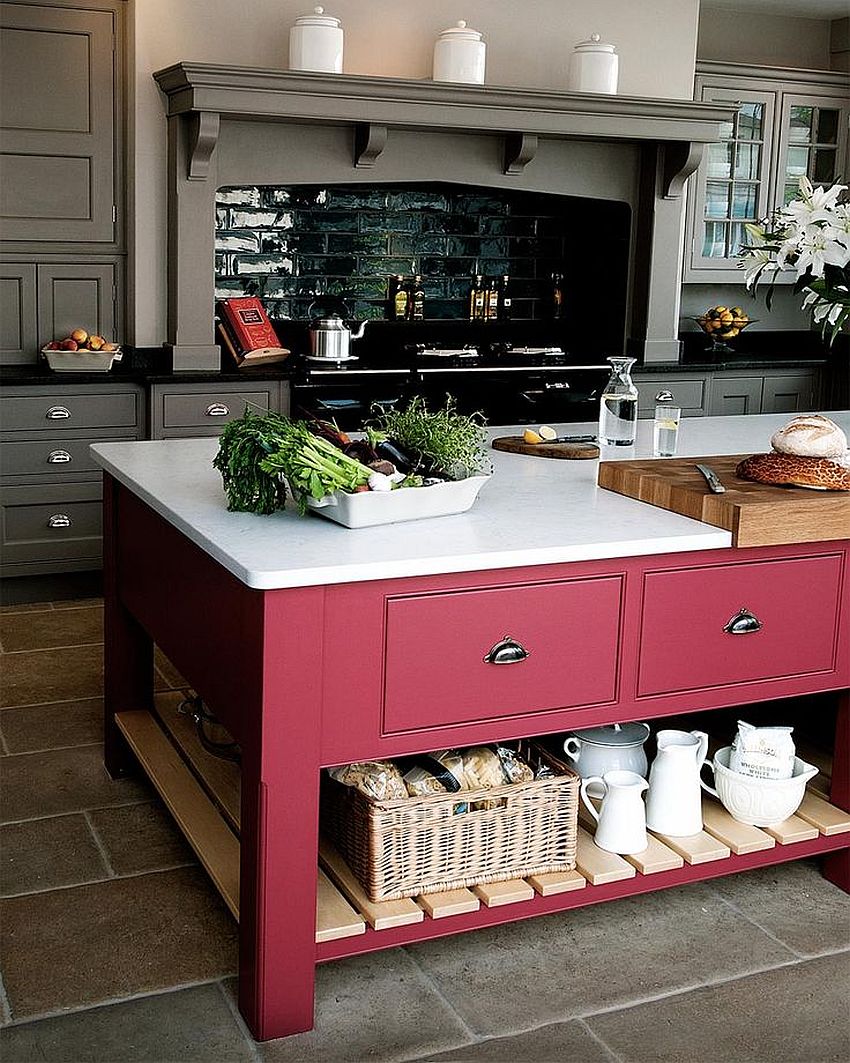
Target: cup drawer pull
58,413
58,457
217,409
507,651
59,520
743,623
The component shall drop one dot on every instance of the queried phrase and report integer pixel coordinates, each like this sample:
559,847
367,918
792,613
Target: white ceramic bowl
759,802
81,361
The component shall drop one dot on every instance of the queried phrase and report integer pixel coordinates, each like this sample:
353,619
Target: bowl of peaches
721,324
81,352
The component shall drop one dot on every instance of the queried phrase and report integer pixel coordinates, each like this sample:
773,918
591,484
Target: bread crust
790,469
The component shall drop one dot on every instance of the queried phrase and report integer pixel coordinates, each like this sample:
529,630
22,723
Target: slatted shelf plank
335,918
452,902
827,818
656,857
214,842
696,848
494,894
791,830
740,837
380,915
551,882
597,865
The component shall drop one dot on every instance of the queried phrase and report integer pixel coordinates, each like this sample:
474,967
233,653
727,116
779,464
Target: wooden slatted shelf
347,922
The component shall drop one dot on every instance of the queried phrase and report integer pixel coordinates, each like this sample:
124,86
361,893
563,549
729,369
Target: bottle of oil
505,300
398,298
416,300
492,307
557,295
476,299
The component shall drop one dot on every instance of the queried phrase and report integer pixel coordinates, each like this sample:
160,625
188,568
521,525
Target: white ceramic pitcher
674,804
621,819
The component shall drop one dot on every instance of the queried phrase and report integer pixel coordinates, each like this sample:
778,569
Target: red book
247,332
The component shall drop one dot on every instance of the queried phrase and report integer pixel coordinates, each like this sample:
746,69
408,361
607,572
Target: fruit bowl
721,323
83,361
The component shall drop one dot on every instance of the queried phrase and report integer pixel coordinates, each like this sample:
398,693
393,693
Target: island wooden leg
127,649
837,865
280,821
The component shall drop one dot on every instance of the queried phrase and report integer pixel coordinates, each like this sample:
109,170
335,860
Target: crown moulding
207,93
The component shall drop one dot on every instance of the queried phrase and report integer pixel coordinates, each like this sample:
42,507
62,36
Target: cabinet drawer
62,458
683,642
689,394
51,523
435,669
203,410
57,411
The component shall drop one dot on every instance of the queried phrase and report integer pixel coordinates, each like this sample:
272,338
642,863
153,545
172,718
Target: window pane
716,199
747,157
797,163
824,171
744,201
714,242
800,126
827,125
791,191
719,160
750,116
737,239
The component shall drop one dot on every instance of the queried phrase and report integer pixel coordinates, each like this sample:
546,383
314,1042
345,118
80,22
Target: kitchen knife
711,479
571,439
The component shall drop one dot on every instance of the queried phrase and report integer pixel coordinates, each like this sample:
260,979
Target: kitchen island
315,645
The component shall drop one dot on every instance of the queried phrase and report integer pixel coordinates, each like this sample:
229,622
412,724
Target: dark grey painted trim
520,149
370,139
740,71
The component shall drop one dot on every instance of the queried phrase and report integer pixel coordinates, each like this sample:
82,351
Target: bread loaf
796,471
812,436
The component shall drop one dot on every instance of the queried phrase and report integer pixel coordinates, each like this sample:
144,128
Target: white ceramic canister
594,67
597,750
460,55
315,43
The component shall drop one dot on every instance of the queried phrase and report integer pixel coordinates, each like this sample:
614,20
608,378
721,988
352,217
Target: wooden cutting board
756,514
517,445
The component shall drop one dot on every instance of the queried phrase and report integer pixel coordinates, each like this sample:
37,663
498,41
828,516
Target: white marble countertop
533,511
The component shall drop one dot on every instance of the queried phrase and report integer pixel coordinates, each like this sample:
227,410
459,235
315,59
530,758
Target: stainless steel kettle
330,338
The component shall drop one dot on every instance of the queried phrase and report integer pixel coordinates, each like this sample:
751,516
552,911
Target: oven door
348,398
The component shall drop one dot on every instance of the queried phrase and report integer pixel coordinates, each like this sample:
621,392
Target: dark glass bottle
558,295
492,302
416,301
398,299
505,300
477,299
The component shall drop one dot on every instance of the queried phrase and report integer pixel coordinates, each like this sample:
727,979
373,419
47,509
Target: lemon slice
530,436
547,433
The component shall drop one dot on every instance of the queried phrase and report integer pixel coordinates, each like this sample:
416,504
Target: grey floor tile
796,903
190,1024
46,853
43,630
514,976
88,944
140,837
52,726
375,1007
560,1042
63,780
32,677
794,1013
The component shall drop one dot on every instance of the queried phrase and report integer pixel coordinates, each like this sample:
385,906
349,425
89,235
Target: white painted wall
528,45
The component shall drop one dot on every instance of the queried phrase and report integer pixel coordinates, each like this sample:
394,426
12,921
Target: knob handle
506,651
743,623
58,413
59,520
217,409
58,457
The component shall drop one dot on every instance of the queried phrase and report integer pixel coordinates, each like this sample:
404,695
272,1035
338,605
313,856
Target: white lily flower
817,252
835,313
811,297
758,262
820,312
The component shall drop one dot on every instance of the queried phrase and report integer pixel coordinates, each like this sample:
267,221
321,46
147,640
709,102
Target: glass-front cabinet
787,124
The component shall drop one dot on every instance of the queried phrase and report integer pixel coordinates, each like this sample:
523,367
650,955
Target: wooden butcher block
756,514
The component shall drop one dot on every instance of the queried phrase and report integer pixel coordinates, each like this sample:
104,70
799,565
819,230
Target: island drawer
200,410
440,666
686,641
56,410
52,523
55,458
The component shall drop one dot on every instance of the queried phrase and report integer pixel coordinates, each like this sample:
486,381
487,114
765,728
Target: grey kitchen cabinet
180,410
790,392
690,392
76,295
50,489
18,321
733,394
788,124
772,391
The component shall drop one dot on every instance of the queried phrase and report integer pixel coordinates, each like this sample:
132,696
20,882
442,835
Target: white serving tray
81,361
369,508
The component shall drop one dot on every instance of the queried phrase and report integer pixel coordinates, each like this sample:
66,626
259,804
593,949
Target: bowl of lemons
721,324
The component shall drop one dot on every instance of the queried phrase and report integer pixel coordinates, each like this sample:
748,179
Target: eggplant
403,461
362,450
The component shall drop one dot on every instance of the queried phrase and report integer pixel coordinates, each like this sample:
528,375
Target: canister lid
460,32
318,18
617,734
595,44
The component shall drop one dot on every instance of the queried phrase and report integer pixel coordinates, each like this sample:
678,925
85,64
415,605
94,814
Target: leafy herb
242,446
453,444
313,466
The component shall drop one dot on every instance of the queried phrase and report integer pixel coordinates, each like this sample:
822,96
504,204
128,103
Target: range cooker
507,384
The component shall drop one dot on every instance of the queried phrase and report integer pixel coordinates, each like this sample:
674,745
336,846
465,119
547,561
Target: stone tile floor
115,946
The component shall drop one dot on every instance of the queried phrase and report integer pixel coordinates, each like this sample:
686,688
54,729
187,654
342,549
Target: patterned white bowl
759,802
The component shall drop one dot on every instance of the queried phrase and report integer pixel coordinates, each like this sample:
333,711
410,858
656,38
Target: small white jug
674,802
621,819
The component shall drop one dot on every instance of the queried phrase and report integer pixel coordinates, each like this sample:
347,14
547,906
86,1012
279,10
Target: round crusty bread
789,469
810,436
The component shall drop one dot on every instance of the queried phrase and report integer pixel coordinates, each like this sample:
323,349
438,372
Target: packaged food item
435,773
763,752
378,779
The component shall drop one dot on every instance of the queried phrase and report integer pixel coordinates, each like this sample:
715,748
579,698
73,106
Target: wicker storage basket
404,848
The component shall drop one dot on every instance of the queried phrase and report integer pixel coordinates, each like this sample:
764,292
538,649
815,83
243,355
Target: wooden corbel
203,137
679,160
520,149
370,139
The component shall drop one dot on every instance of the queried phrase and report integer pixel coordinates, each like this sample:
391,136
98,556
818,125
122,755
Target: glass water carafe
618,406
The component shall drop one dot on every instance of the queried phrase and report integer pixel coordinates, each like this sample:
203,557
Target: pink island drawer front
734,623
460,657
